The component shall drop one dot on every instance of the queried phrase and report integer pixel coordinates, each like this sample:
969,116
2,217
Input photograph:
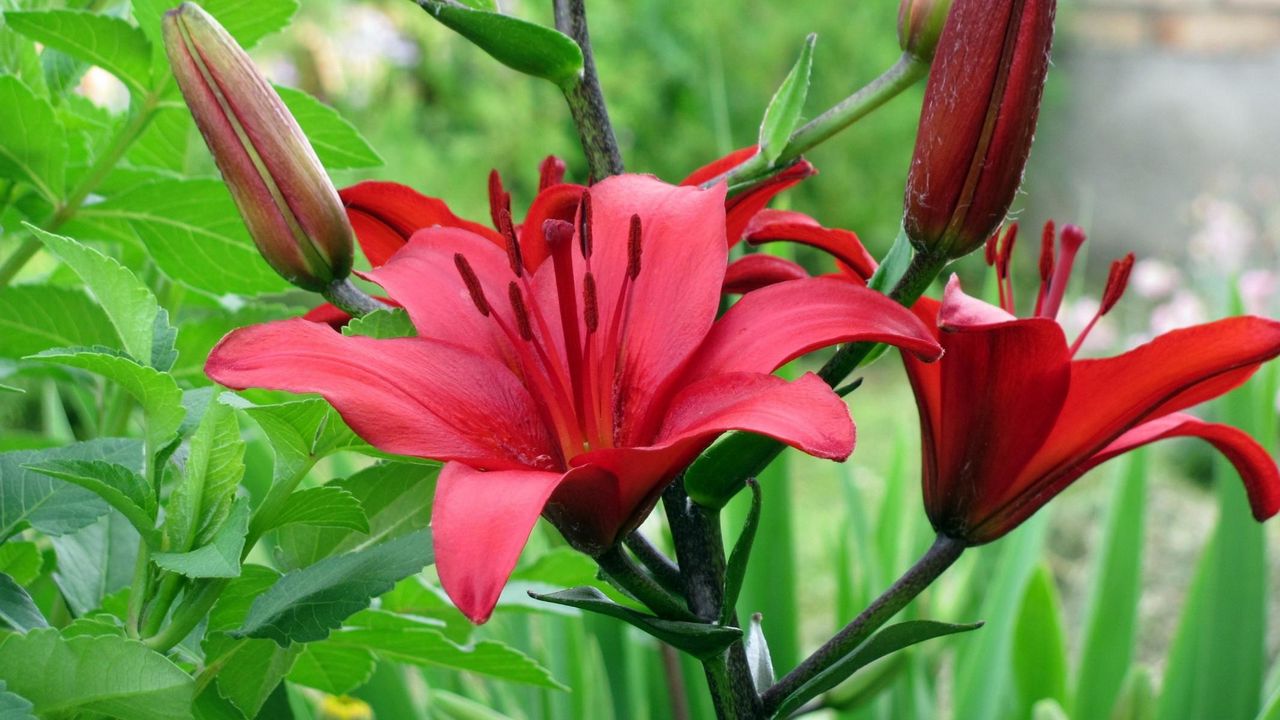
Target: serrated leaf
333,669
14,706
388,323
300,431
129,304
407,640
18,57
522,46
121,488
33,148
21,561
220,557
110,43
166,142
16,607
40,317
783,114
325,506
306,604
698,639
51,506
248,21
396,498
885,642
195,235
95,561
203,498
108,675
337,143
156,392
249,669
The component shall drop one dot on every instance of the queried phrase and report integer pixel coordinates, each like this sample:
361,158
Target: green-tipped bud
919,25
287,201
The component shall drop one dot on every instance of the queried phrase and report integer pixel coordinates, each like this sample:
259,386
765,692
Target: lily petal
716,168
480,521
558,202
409,396
386,214
784,225
742,208
774,325
759,270
960,310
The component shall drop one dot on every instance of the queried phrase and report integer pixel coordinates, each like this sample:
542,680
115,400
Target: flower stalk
586,98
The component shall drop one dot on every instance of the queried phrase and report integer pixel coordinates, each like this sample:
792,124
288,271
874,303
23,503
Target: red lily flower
1010,419
578,390
752,272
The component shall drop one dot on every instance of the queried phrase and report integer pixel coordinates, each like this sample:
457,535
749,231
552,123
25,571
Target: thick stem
197,604
351,299
700,553
664,571
138,590
586,98
927,569
623,571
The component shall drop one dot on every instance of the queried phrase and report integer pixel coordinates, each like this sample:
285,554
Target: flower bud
977,122
289,205
919,25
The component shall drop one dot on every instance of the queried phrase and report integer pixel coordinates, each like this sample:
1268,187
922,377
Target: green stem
900,76
586,98
190,612
624,572
351,299
664,571
138,589
940,556
101,168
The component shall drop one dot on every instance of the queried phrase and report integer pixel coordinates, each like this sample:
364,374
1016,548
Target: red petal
480,522
783,225
327,314
409,396
558,202
926,383
774,325
1170,373
719,167
758,270
742,208
382,212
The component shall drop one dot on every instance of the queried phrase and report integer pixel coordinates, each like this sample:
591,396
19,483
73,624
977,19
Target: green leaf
155,391
396,498
337,142
887,641
307,604
300,432
122,488
95,561
698,639
107,675
220,558
522,46
13,706
202,500
388,323
894,266
53,507
1048,709
333,669
110,43
16,607
249,669
1039,645
129,304
33,148
18,57
783,114
1137,699
248,21
21,561
167,141
1111,617
201,332
407,640
195,235
736,570
325,506
40,317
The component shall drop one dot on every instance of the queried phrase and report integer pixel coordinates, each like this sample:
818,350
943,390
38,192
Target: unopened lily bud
289,205
977,122
919,25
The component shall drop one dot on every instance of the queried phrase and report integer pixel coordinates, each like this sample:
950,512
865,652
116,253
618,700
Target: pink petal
480,522
409,396
386,214
962,311
758,270
774,325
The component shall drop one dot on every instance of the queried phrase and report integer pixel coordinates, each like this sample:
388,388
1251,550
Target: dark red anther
584,225
590,305
508,231
1005,253
499,199
520,311
633,248
1047,238
473,283
550,172
1117,281
989,251
557,232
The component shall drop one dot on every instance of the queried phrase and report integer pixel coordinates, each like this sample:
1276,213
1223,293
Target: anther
472,282
590,305
508,232
1005,253
520,311
550,172
1117,281
989,250
1046,251
499,198
584,225
633,248
557,232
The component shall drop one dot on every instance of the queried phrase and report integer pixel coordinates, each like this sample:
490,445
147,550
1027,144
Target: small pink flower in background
1184,309
1260,291
1226,234
1154,279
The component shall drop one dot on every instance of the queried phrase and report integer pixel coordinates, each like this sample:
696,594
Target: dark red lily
580,389
1010,418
